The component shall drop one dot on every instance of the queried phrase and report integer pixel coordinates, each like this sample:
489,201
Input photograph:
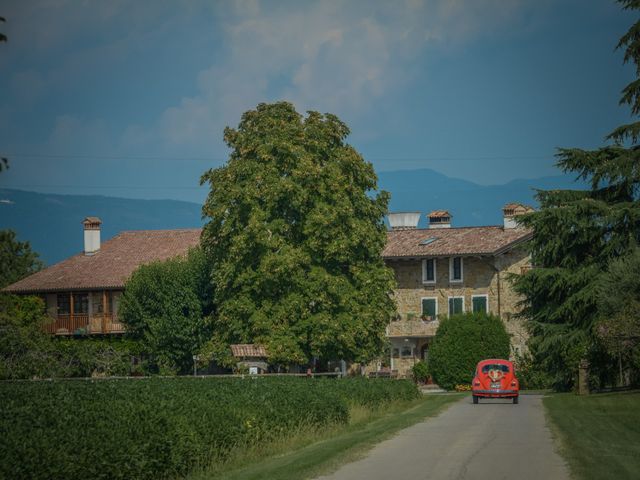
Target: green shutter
429,307
479,304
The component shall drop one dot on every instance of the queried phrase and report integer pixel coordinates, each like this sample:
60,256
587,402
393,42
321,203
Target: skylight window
428,241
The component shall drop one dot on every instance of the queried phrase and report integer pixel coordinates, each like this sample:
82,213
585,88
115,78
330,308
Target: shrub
420,372
164,427
531,374
461,342
25,348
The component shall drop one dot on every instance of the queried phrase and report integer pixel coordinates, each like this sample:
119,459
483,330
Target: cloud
347,57
73,134
338,56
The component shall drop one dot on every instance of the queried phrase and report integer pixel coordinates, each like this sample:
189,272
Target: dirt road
493,440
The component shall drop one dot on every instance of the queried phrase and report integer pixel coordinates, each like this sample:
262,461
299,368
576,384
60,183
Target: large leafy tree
577,234
296,233
166,306
17,260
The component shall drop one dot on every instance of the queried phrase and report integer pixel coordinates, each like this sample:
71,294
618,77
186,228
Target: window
455,269
429,308
406,352
480,303
429,270
395,353
500,368
456,305
63,304
80,304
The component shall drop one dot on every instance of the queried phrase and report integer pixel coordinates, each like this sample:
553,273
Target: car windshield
495,366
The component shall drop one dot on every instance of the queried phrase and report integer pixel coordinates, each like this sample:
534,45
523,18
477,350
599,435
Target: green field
168,427
599,434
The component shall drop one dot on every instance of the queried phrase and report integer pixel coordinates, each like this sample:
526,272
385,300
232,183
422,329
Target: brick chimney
512,210
439,219
91,235
404,220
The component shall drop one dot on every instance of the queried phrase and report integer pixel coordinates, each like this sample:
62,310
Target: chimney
512,210
91,235
404,220
439,219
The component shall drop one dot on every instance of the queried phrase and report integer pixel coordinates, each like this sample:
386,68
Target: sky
130,97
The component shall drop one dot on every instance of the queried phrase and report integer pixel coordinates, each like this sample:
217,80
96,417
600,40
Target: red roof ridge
193,229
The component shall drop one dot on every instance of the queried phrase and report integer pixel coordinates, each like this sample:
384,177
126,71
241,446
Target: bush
461,342
27,351
420,372
531,374
164,427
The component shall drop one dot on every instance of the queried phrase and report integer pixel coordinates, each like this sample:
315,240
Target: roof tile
248,350
452,241
113,264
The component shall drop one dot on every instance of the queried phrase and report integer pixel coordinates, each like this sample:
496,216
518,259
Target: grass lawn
599,434
307,454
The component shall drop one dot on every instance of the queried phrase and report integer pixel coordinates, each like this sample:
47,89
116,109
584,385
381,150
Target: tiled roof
112,265
118,257
452,241
248,350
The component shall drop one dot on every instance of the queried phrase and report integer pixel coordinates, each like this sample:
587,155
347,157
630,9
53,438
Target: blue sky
129,98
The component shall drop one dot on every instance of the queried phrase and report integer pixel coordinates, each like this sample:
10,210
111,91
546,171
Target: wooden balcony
412,328
84,324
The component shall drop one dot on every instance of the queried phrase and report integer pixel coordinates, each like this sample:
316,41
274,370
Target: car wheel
475,399
515,400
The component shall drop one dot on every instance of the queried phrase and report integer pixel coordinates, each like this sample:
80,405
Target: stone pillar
583,377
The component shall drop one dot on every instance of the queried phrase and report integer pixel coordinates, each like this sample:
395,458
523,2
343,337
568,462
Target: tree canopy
17,260
295,230
577,235
166,306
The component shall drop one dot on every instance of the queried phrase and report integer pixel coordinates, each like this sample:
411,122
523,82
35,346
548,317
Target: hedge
461,342
163,427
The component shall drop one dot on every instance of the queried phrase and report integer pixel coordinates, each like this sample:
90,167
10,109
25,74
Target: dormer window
429,271
455,269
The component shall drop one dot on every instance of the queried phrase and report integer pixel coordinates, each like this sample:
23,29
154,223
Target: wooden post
583,377
104,311
71,329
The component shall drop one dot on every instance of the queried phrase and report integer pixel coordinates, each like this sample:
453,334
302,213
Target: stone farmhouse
439,270
442,270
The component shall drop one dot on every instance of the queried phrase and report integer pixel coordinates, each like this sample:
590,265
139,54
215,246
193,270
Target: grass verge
308,453
599,434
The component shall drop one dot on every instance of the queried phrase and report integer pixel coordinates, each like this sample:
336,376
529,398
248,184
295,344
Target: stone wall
479,278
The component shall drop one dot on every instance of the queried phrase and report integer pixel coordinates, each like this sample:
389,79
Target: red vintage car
495,378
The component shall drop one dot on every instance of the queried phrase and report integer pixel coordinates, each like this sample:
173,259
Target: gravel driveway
493,440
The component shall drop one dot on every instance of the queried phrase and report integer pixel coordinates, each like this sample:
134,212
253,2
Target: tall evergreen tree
296,235
577,234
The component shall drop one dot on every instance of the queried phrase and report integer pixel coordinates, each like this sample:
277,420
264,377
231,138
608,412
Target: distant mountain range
51,222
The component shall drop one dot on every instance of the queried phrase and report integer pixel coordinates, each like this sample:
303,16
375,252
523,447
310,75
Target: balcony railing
412,328
84,324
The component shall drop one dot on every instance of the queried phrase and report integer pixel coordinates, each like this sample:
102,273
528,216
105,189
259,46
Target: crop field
165,427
